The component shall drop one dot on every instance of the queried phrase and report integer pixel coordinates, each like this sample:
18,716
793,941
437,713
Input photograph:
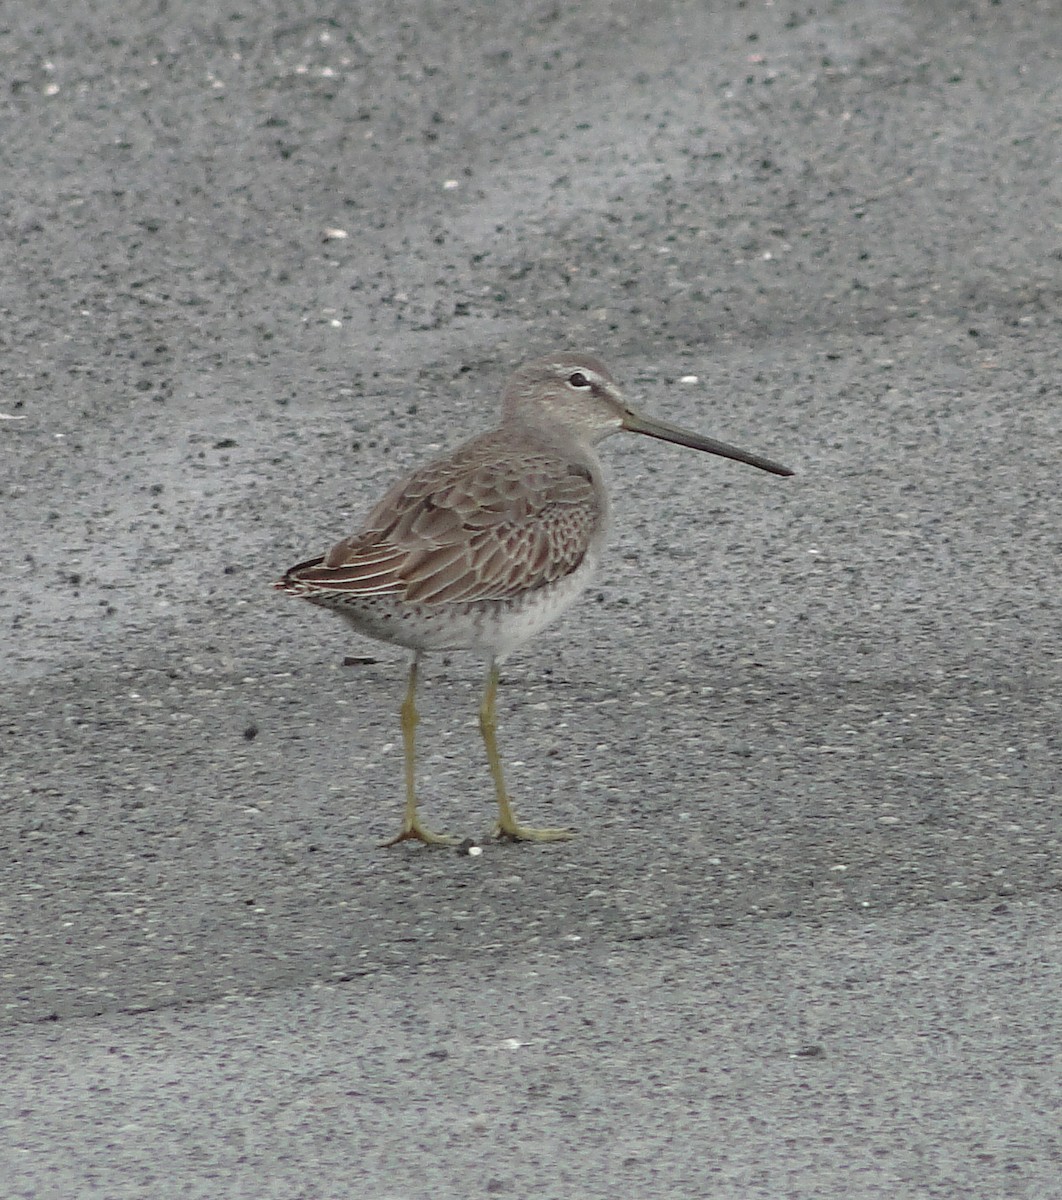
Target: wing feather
489,522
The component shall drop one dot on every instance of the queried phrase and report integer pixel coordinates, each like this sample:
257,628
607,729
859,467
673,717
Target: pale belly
491,627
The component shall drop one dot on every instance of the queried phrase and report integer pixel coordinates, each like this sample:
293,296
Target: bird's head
574,397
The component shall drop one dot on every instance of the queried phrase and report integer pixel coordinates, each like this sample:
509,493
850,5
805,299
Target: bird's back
505,514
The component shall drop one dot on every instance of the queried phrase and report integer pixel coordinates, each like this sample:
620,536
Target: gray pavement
808,944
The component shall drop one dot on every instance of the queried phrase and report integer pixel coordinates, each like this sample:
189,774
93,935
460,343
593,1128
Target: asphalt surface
258,260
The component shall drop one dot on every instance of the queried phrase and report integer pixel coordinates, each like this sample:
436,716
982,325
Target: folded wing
479,525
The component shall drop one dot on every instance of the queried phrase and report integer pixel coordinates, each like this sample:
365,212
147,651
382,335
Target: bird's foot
513,831
414,831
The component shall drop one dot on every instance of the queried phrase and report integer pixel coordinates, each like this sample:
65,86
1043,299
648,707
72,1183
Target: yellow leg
412,830
507,826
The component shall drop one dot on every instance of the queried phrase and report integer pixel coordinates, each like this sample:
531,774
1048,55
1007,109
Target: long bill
635,423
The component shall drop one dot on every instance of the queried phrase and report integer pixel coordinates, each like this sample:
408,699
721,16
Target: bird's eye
578,379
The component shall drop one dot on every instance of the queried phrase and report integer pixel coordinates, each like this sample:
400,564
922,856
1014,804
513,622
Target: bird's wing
478,525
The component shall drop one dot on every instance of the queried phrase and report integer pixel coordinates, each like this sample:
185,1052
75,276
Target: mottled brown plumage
481,548
490,521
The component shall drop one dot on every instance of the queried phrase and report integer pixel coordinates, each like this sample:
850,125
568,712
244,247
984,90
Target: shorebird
483,547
